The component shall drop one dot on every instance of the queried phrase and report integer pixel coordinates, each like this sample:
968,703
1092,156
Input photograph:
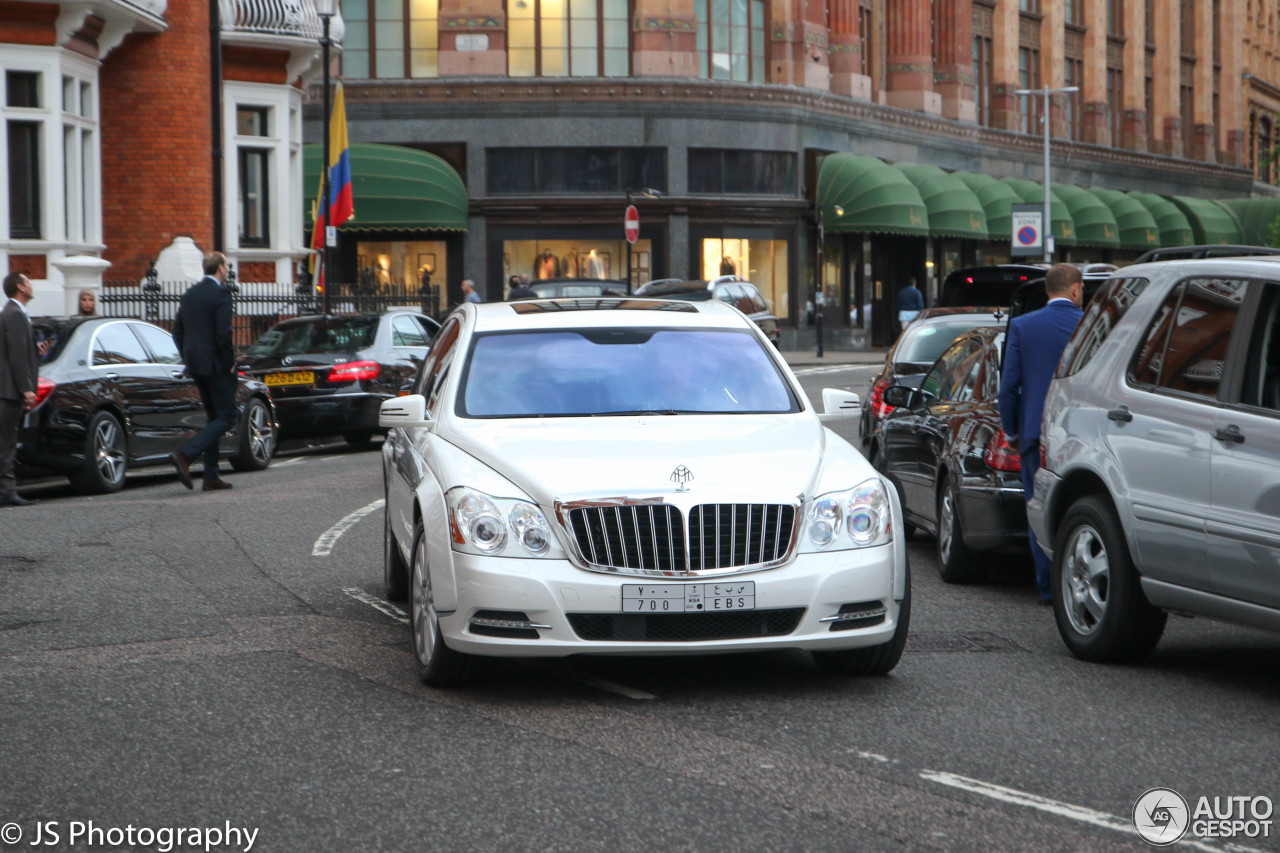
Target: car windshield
923,343
316,334
588,372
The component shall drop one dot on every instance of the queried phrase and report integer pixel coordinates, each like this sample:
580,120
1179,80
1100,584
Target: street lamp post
1045,230
326,10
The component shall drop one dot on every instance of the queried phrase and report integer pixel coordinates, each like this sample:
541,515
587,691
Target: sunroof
612,304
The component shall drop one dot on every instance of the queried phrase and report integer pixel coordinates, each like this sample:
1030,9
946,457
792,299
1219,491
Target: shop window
417,266
24,179
568,38
762,262
524,171
381,42
731,40
743,172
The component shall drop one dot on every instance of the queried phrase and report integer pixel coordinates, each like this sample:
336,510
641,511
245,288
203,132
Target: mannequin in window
548,266
727,266
572,269
595,265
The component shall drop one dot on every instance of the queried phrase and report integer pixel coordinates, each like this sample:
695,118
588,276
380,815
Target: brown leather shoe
180,462
215,485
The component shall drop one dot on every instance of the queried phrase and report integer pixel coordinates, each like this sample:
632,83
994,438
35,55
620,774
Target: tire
880,463
437,664
1098,603
106,456
395,574
872,660
357,438
956,563
256,444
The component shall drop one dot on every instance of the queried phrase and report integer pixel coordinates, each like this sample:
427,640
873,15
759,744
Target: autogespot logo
1161,816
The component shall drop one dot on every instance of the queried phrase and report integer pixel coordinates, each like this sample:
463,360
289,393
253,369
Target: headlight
857,518
510,527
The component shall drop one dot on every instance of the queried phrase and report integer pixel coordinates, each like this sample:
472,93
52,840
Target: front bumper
547,592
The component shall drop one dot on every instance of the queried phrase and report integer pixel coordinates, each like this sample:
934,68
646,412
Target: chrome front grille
650,538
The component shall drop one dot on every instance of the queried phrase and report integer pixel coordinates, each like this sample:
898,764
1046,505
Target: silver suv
1160,450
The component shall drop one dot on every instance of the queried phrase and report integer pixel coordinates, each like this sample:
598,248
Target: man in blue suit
1032,351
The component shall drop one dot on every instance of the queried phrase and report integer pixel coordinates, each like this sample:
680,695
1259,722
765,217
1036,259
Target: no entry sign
631,224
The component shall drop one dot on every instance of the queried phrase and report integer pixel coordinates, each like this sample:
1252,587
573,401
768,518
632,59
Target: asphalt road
223,662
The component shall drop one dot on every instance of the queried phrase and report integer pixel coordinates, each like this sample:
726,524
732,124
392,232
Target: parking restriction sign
1027,227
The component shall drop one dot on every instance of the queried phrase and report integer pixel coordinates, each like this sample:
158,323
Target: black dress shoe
215,485
19,500
180,462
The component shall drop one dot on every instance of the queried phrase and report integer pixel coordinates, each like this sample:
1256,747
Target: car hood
727,458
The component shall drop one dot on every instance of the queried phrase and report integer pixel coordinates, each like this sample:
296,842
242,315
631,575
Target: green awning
1175,230
1210,221
1064,228
870,196
996,198
1138,229
394,188
954,211
1095,225
1256,216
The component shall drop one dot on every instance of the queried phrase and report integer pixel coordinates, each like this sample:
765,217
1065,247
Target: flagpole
325,254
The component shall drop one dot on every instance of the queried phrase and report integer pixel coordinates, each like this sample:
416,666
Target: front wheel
256,444
1098,603
872,660
436,663
105,456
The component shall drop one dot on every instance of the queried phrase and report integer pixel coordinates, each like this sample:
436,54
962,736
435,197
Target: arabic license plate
298,377
688,597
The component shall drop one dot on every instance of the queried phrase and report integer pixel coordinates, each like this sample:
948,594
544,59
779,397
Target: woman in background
88,304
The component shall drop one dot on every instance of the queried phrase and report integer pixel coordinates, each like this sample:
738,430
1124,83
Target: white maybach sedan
632,476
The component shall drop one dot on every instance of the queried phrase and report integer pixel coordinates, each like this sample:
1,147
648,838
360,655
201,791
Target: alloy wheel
261,434
426,623
108,451
1086,580
946,525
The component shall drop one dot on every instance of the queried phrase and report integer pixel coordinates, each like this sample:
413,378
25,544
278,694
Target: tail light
44,387
353,371
879,408
1000,455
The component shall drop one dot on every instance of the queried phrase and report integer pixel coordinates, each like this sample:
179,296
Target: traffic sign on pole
631,224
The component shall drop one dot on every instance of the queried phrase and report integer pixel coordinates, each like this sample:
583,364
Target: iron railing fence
257,306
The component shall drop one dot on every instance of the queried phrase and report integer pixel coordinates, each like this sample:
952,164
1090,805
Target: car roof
629,312
959,311
1209,250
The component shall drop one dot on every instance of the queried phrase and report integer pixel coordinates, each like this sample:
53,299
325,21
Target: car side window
1101,316
1262,373
757,301
428,329
433,369
728,293
935,381
406,333
1185,347
115,344
965,375
163,349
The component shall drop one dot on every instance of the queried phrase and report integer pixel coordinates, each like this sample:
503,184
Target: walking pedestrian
1032,350
910,303
202,332
19,374
469,291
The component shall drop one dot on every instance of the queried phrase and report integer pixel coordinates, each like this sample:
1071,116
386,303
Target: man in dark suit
19,373
202,331
1032,351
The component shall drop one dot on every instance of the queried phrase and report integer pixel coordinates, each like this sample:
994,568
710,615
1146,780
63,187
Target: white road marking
324,545
294,461
834,368
1078,813
378,604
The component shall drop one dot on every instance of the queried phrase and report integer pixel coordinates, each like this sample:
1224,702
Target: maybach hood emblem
680,476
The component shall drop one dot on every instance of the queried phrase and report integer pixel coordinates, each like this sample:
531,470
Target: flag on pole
341,207
314,266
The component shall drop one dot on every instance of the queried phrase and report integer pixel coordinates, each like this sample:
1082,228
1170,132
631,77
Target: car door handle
1120,415
1231,435
113,376
178,374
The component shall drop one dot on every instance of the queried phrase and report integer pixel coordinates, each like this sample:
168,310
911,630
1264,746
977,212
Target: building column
953,59
1095,118
910,57
473,38
798,50
846,51
664,39
1205,143
1133,132
1004,66
1233,113
1167,76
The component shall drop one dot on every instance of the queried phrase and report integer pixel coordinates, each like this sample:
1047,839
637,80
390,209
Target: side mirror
838,404
404,412
898,396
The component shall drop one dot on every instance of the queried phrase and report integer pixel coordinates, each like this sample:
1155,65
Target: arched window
731,40
568,38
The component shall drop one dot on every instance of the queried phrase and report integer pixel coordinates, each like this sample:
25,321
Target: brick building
141,131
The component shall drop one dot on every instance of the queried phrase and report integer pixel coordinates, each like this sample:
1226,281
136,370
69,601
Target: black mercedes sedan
943,447
113,394
329,373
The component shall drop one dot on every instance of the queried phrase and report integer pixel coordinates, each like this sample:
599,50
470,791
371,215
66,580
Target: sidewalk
809,358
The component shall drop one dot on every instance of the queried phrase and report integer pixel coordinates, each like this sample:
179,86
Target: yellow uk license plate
298,377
